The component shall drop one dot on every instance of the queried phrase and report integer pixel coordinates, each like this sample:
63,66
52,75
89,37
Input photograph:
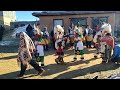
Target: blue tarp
116,52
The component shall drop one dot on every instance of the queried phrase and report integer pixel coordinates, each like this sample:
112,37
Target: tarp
19,29
116,53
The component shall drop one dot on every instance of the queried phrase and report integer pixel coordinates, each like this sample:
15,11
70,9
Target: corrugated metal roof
57,13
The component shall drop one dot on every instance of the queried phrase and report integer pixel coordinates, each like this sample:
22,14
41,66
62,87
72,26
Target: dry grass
76,70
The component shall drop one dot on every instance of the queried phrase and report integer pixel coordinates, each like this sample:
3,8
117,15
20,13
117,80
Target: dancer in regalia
105,28
108,45
79,49
39,43
59,44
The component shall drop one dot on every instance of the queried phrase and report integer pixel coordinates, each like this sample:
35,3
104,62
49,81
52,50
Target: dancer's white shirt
40,50
79,45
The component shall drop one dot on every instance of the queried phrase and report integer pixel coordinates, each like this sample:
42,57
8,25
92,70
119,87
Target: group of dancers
103,42
32,52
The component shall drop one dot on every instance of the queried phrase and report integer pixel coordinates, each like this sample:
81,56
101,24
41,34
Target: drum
43,42
89,38
83,38
72,39
46,41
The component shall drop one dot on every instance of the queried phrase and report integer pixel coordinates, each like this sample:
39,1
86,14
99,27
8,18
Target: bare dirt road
86,69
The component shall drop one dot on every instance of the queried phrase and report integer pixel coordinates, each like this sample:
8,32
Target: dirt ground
86,69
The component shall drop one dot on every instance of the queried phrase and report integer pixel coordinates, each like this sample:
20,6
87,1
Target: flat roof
24,21
58,13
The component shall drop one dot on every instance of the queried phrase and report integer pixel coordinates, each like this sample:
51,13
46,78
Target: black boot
57,60
75,59
20,75
82,58
96,77
95,56
103,61
23,69
41,72
42,65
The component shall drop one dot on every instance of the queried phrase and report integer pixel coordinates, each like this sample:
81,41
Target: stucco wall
48,20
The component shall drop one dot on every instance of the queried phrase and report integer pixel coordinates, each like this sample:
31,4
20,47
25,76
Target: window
58,22
96,21
103,19
81,21
117,31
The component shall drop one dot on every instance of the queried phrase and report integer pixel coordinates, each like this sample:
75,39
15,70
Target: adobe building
92,18
6,17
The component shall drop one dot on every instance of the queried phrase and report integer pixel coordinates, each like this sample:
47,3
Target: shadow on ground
84,71
13,75
9,57
54,69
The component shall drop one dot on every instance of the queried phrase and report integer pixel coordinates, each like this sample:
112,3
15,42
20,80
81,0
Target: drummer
71,36
46,38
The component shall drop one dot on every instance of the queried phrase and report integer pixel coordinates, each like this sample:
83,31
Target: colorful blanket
26,48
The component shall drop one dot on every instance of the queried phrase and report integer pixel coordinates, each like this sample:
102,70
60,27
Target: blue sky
25,16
